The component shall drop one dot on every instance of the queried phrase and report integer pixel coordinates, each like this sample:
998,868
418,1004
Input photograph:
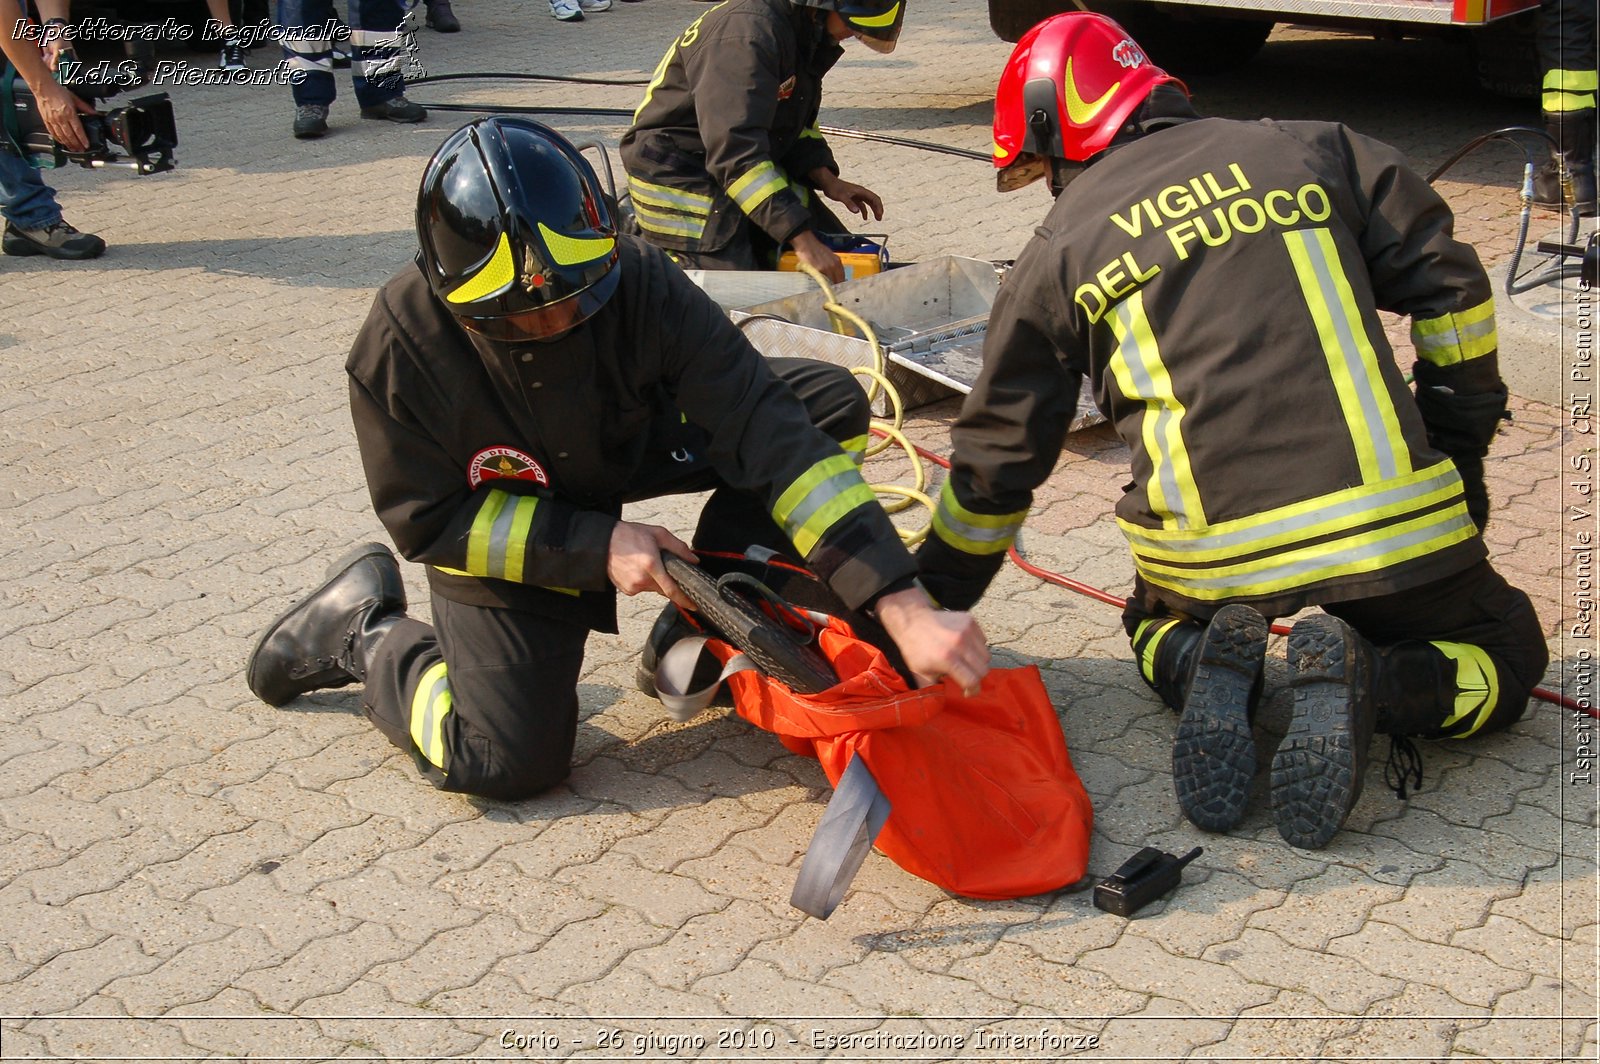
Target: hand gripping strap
850,825
675,671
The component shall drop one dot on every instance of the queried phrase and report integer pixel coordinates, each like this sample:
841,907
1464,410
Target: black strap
8,111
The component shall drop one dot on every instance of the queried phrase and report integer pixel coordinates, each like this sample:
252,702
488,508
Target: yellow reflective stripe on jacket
462,572
1477,687
972,532
1569,90
757,185
856,448
1454,338
819,498
1299,522
1136,364
1364,552
669,211
497,545
431,703
1369,412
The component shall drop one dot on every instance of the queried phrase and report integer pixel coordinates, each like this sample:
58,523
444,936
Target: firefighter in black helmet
724,159
511,390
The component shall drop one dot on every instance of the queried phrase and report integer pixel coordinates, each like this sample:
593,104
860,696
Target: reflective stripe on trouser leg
1162,645
430,705
376,65
309,55
1477,689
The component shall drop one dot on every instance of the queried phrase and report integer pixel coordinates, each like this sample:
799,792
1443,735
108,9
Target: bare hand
936,643
858,198
60,109
814,253
634,562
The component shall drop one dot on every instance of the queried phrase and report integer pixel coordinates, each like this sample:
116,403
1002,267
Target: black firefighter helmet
875,23
516,239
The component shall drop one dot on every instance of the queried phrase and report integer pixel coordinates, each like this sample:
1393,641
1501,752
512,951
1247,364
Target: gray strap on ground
849,825
675,672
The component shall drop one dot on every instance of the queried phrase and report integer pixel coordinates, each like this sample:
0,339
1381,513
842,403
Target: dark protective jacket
1218,282
728,127
505,471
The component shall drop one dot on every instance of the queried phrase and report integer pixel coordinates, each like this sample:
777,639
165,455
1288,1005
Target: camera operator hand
58,107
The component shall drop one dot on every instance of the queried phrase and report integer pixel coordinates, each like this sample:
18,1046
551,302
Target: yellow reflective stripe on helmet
1369,412
497,545
819,498
1477,687
492,278
430,705
856,448
757,185
875,22
575,250
1454,338
971,532
1365,552
1136,364
1154,630
1300,522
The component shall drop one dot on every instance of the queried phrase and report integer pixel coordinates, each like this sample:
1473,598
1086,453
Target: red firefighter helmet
1070,84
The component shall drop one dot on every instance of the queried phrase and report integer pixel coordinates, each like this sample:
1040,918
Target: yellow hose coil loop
891,431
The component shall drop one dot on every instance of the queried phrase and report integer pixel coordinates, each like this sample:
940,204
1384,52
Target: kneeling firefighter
724,158
511,390
1219,282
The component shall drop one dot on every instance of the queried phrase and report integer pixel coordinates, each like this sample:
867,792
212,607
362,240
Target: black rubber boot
1576,136
327,638
1319,768
1214,752
441,18
670,627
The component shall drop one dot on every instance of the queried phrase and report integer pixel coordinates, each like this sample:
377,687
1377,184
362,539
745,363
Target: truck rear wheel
1176,39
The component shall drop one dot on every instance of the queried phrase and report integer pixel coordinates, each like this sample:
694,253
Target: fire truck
1212,36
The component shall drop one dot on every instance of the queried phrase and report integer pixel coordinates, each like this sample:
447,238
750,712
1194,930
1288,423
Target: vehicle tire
1182,42
1505,57
773,646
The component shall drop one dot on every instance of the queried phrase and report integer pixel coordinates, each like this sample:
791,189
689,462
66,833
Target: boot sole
337,569
1214,753
1317,771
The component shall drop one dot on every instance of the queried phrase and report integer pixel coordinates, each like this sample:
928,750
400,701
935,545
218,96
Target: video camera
144,128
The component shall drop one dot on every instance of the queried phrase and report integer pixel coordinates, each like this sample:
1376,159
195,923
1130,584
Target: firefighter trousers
1440,645
486,699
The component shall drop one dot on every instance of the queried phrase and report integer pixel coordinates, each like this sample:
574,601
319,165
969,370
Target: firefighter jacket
1218,282
728,127
504,467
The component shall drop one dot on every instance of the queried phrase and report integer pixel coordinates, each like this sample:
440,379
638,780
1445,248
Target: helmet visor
874,25
545,322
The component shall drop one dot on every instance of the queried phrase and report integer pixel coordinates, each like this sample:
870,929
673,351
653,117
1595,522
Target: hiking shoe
58,240
441,19
670,627
310,120
1319,767
398,109
595,5
1214,752
566,10
232,57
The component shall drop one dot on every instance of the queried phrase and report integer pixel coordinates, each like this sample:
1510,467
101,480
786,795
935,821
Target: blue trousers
376,47
25,200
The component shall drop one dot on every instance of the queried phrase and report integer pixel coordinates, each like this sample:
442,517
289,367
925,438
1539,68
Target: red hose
1090,591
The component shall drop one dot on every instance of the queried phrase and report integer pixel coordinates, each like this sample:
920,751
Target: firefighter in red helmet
724,159
1219,282
511,390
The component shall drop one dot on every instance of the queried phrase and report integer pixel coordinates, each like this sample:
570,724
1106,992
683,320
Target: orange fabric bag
985,801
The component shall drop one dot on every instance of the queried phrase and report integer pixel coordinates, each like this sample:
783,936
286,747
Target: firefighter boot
1575,155
1214,753
327,639
671,626
1319,768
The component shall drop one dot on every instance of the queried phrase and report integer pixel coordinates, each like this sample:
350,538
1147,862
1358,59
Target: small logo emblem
1080,111
1127,55
505,463
786,89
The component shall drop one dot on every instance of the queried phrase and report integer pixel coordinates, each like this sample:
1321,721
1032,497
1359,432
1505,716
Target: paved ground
187,873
